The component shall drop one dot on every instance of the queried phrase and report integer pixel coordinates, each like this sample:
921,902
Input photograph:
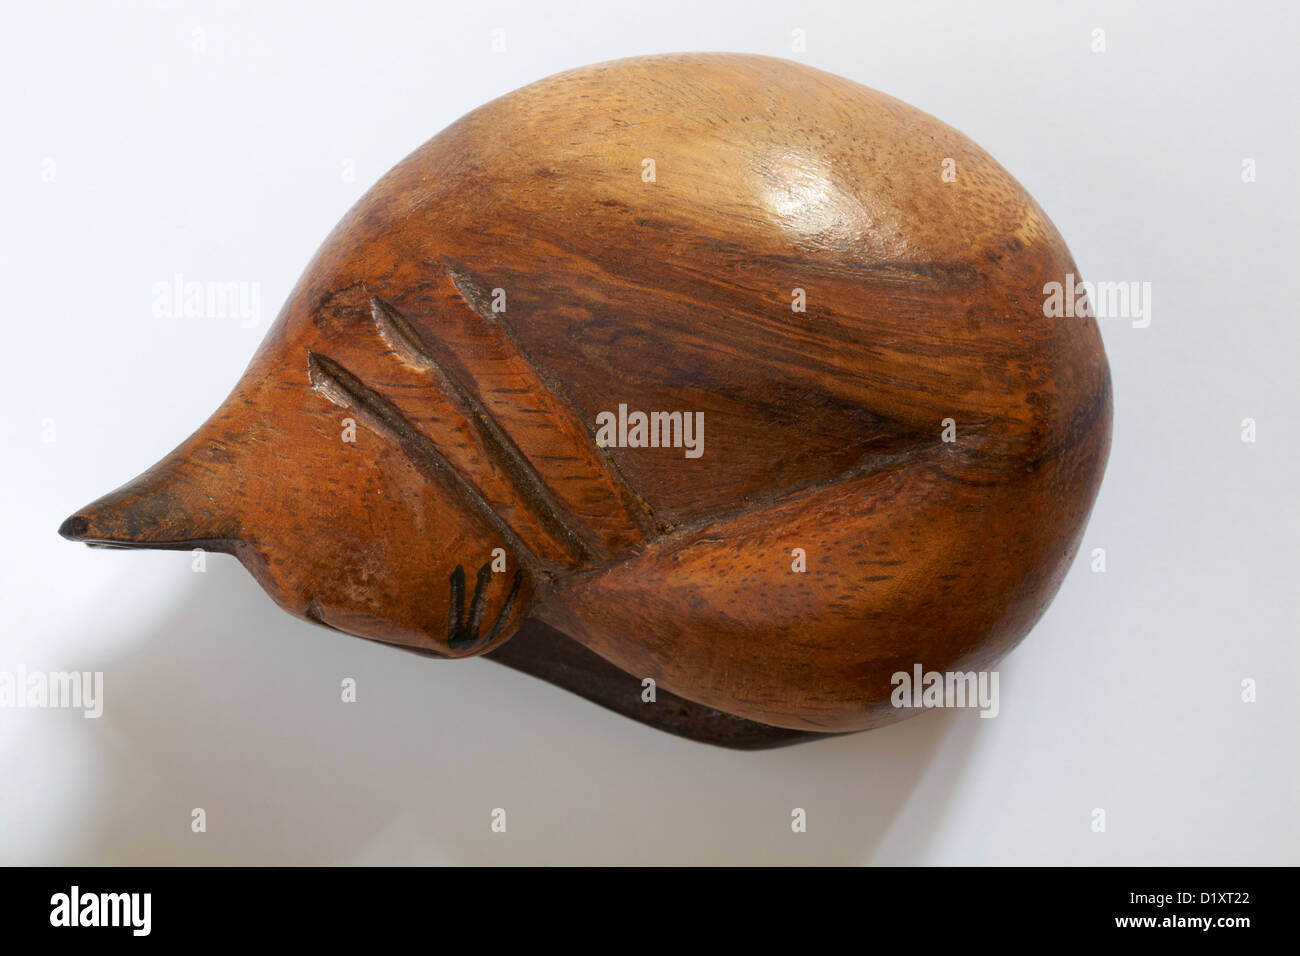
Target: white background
226,164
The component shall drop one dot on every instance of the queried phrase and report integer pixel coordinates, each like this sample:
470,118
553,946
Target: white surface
225,165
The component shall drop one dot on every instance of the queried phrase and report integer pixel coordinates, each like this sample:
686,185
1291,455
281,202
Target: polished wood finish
476,426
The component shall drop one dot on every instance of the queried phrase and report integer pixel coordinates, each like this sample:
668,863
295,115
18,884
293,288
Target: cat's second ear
182,502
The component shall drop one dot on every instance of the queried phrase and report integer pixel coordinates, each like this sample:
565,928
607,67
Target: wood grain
518,275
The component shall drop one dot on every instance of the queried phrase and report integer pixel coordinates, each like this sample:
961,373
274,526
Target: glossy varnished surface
476,427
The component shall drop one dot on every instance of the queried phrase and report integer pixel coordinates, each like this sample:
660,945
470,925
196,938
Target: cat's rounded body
863,446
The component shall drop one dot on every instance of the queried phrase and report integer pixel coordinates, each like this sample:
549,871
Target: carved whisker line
507,608
343,388
528,485
637,510
462,632
455,606
480,599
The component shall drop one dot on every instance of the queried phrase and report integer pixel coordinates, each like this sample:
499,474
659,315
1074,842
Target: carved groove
470,291
528,485
343,388
635,508
462,631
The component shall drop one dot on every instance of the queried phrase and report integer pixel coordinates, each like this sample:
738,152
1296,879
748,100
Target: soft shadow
229,704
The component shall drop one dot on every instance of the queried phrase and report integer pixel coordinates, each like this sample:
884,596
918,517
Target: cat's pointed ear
178,504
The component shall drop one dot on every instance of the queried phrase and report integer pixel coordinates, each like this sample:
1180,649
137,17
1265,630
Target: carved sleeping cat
838,296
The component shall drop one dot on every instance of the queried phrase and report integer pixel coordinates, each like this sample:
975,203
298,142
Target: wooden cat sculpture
714,370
